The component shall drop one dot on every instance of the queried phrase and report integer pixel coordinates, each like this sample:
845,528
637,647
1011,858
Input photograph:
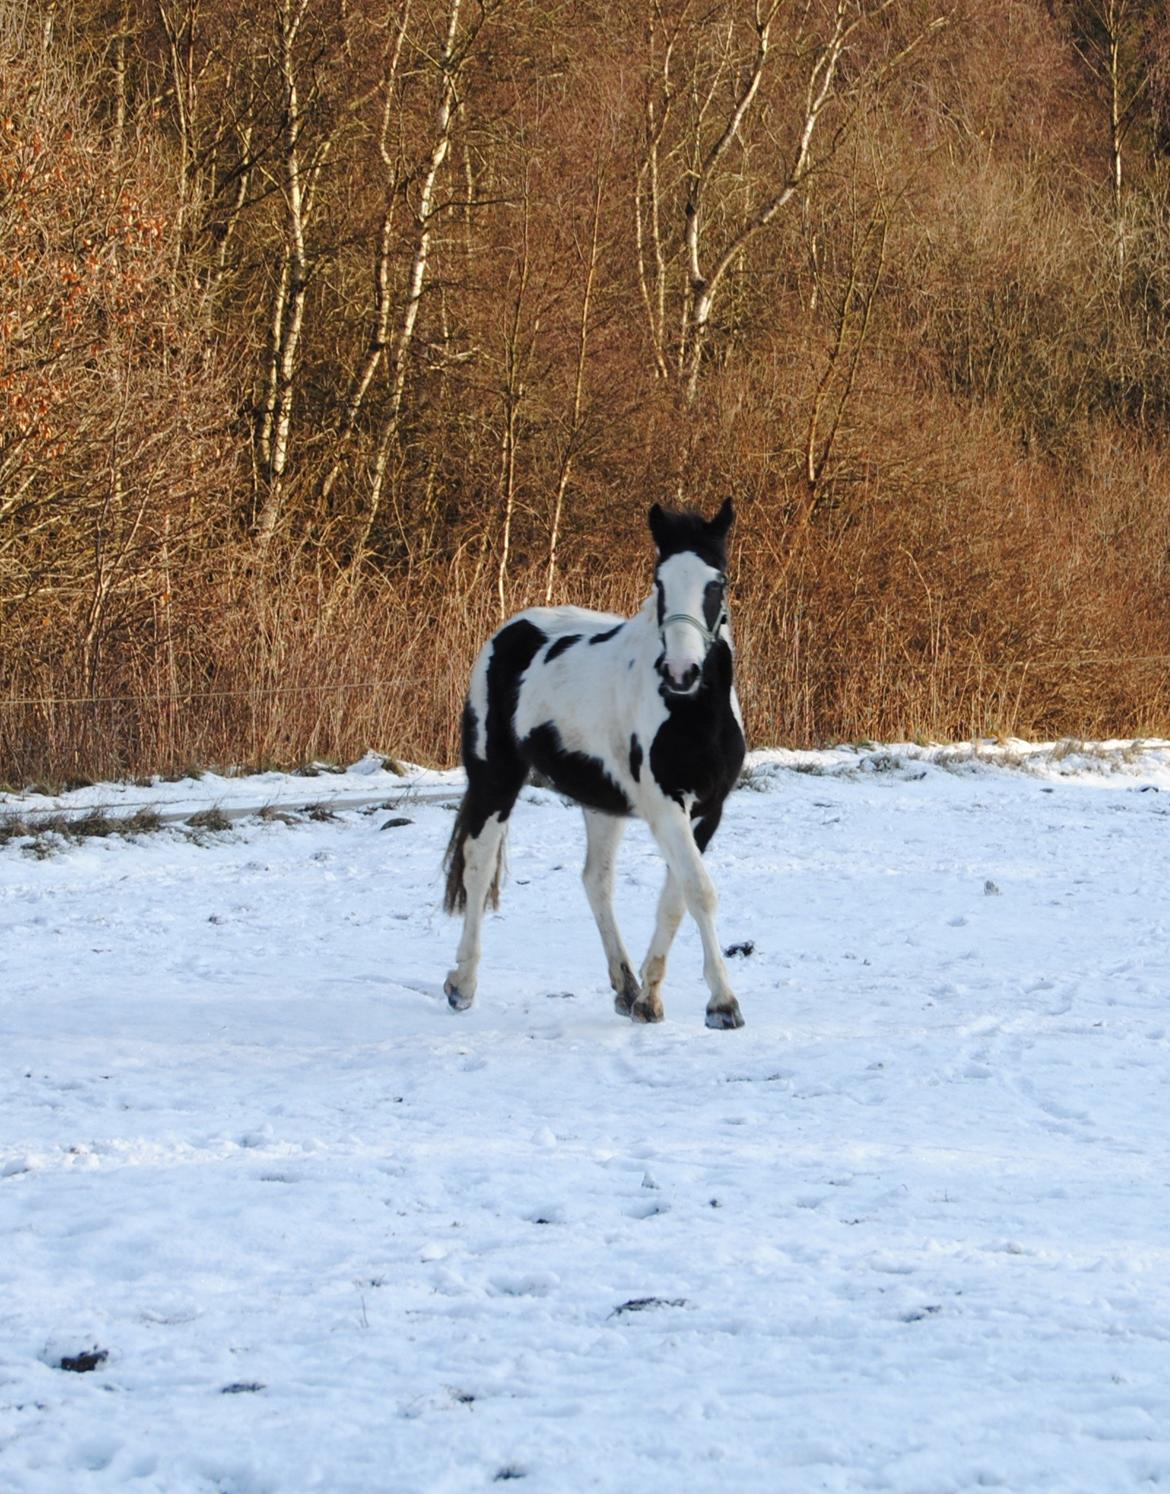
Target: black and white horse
633,716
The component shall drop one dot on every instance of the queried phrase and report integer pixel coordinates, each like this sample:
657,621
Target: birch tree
758,80
1108,37
308,48
456,48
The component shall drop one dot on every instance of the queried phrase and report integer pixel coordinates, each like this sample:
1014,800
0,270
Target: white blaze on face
683,580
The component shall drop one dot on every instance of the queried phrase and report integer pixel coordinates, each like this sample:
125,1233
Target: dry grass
888,623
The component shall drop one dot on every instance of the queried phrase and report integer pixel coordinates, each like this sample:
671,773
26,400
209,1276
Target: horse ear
723,520
658,526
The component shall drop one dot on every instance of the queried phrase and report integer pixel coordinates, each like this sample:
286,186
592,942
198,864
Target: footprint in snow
527,1284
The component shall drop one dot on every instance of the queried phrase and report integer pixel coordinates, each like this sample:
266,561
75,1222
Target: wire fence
394,796
186,697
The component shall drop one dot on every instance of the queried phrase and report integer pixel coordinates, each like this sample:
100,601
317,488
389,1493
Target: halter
709,635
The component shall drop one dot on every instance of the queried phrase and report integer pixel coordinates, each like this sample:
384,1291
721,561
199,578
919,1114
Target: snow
907,1230
366,782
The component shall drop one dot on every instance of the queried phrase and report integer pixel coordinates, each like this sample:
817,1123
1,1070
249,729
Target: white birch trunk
416,280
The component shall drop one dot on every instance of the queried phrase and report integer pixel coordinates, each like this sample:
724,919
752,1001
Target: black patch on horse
604,637
635,758
575,774
494,780
699,748
562,643
706,825
713,594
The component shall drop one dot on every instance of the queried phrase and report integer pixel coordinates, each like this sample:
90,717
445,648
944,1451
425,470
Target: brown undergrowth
890,621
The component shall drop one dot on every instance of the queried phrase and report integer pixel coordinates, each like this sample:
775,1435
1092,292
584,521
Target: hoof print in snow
647,1304
510,1472
560,996
242,1387
748,947
990,889
88,1359
393,824
918,1314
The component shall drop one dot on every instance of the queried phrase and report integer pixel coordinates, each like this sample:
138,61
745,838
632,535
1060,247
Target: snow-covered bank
375,778
908,1230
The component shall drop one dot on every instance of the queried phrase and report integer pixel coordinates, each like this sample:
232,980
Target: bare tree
1108,36
455,51
307,47
589,258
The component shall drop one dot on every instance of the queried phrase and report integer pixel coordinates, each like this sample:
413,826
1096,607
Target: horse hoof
456,1000
725,1016
627,993
643,1011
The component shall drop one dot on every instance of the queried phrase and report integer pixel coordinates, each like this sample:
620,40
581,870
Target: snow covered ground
908,1230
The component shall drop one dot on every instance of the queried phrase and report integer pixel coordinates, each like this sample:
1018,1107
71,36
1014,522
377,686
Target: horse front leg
603,833
671,907
676,840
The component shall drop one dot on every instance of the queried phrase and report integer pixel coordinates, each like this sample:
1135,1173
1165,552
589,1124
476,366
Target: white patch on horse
477,699
686,633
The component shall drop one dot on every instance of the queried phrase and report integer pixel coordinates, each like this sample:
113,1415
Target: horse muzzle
686,682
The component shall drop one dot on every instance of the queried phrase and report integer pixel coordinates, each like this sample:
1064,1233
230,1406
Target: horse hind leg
603,834
474,862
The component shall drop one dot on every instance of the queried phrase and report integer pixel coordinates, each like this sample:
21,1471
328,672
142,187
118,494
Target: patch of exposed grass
96,824
210,819
141,822
317,768
272,814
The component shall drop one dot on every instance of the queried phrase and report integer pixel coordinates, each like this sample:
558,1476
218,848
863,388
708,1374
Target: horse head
690,578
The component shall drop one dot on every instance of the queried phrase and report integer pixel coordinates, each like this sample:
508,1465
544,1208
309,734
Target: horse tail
455,893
